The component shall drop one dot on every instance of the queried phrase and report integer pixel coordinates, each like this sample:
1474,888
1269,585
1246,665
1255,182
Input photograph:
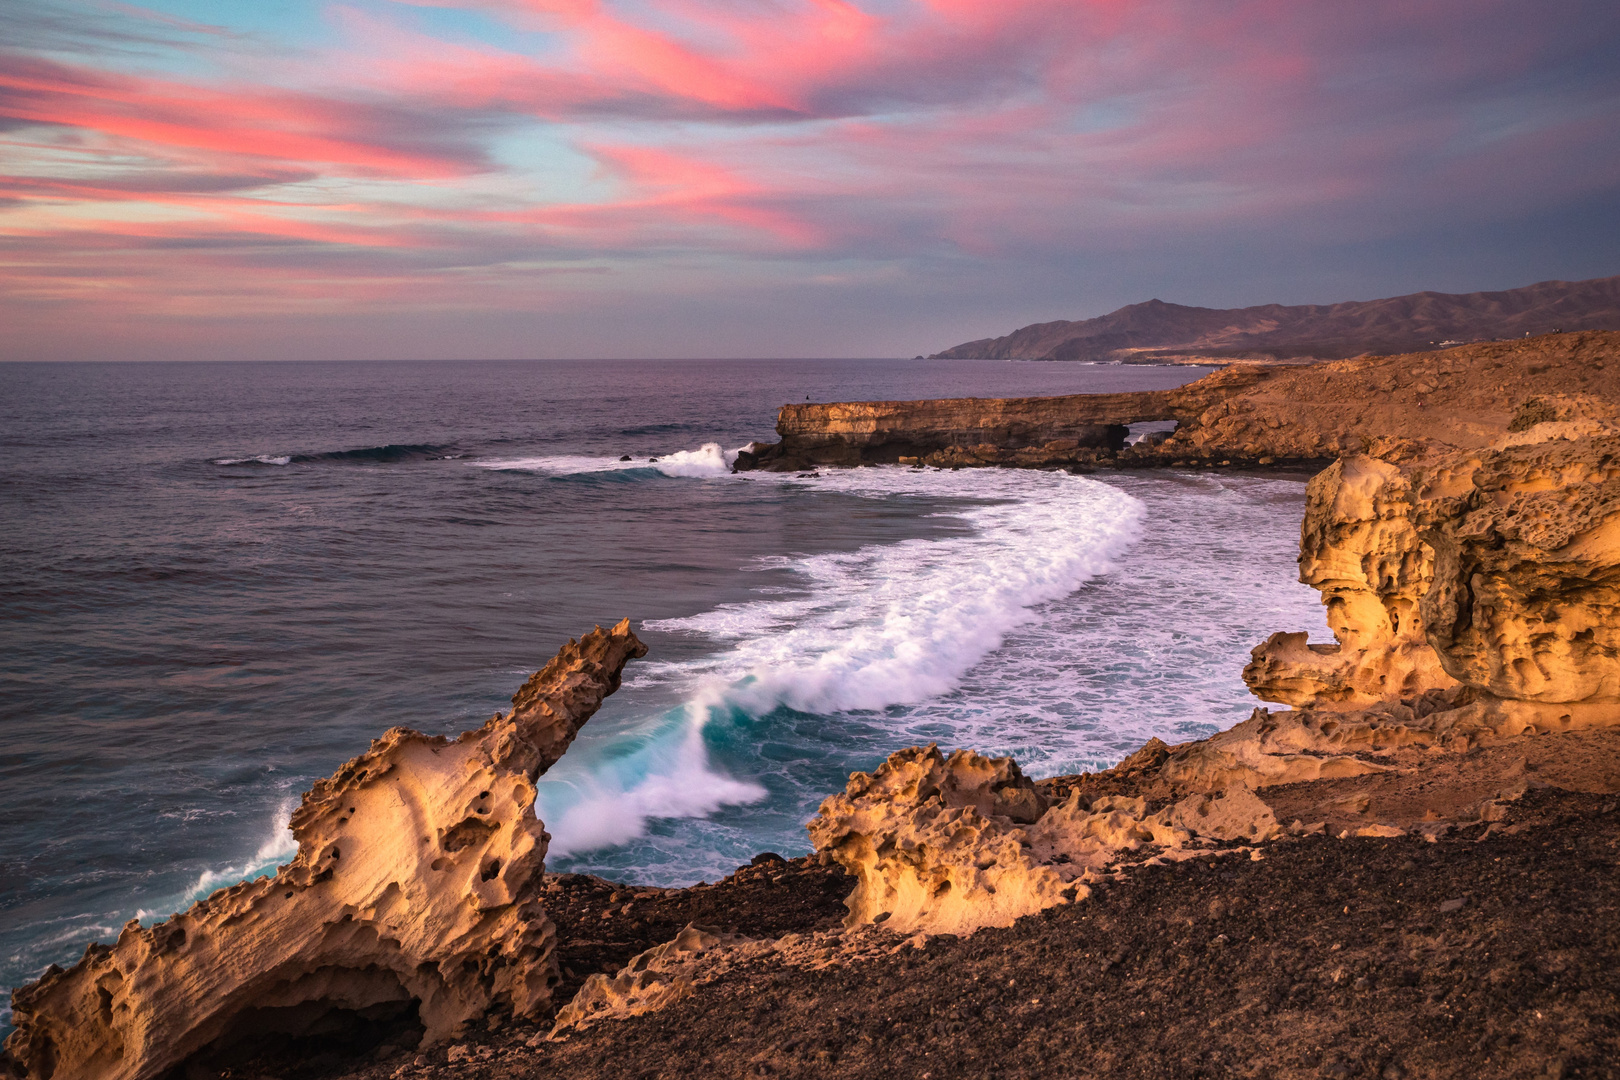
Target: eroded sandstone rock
950,844
415,887
1496,568
1360,549
1527,569
1474,596
652,980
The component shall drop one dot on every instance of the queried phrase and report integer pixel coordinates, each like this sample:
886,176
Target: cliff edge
1391,406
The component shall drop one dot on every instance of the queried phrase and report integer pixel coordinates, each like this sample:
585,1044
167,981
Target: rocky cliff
1391,406
1156,330
415,895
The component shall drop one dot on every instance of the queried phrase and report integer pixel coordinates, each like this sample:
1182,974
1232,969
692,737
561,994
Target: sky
372,179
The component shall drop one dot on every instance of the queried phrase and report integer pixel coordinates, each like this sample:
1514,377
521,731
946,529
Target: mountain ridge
1156,331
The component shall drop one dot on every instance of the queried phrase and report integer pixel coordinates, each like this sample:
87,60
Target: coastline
1435,778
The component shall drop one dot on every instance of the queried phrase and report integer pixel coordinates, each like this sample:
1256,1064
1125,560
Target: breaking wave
707,461
885,625
278,847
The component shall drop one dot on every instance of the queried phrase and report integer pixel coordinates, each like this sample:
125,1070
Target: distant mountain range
1156,331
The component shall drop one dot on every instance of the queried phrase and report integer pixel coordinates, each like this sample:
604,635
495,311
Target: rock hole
1150,432
374,1010
491,870
468,832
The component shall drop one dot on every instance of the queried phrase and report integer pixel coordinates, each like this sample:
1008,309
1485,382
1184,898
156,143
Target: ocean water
219,581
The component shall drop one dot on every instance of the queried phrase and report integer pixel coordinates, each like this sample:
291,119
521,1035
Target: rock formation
651,981
1474,598
415,887
1397,408
1359,547
950,844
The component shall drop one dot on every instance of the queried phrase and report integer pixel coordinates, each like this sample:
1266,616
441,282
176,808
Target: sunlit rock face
1527,568
1473,594
951,844
1496,569
415,889
1359,547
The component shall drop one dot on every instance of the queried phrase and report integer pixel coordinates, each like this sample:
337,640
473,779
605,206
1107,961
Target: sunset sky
591,178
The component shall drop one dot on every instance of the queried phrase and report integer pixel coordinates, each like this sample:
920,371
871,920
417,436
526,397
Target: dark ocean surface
220,581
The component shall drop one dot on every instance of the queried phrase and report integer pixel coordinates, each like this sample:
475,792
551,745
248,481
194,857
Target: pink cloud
825,129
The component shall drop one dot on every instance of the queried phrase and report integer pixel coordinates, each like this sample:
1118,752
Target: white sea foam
885,625
262,459
898,623
708,460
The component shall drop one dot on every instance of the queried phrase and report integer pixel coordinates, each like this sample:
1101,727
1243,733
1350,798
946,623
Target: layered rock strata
1394,407
416,887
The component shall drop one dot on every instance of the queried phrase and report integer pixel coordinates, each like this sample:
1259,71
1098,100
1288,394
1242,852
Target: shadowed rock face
415,889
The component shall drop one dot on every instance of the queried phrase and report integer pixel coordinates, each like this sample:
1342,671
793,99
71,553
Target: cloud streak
502,155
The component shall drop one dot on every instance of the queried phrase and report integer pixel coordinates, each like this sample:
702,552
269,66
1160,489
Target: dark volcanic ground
1389,958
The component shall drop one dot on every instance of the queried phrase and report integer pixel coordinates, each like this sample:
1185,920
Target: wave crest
707,461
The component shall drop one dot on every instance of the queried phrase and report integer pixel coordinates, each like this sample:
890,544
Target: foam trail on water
707,461
885,625
262,459
898,623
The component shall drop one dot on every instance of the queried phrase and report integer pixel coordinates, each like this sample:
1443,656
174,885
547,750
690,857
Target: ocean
219,581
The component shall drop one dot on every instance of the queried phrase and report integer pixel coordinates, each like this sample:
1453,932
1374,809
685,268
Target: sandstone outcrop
950,844
1360,549
1474,597
416,888
651,981
1398,408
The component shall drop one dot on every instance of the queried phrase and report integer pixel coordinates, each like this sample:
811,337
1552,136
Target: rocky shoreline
1408,871
1243,416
